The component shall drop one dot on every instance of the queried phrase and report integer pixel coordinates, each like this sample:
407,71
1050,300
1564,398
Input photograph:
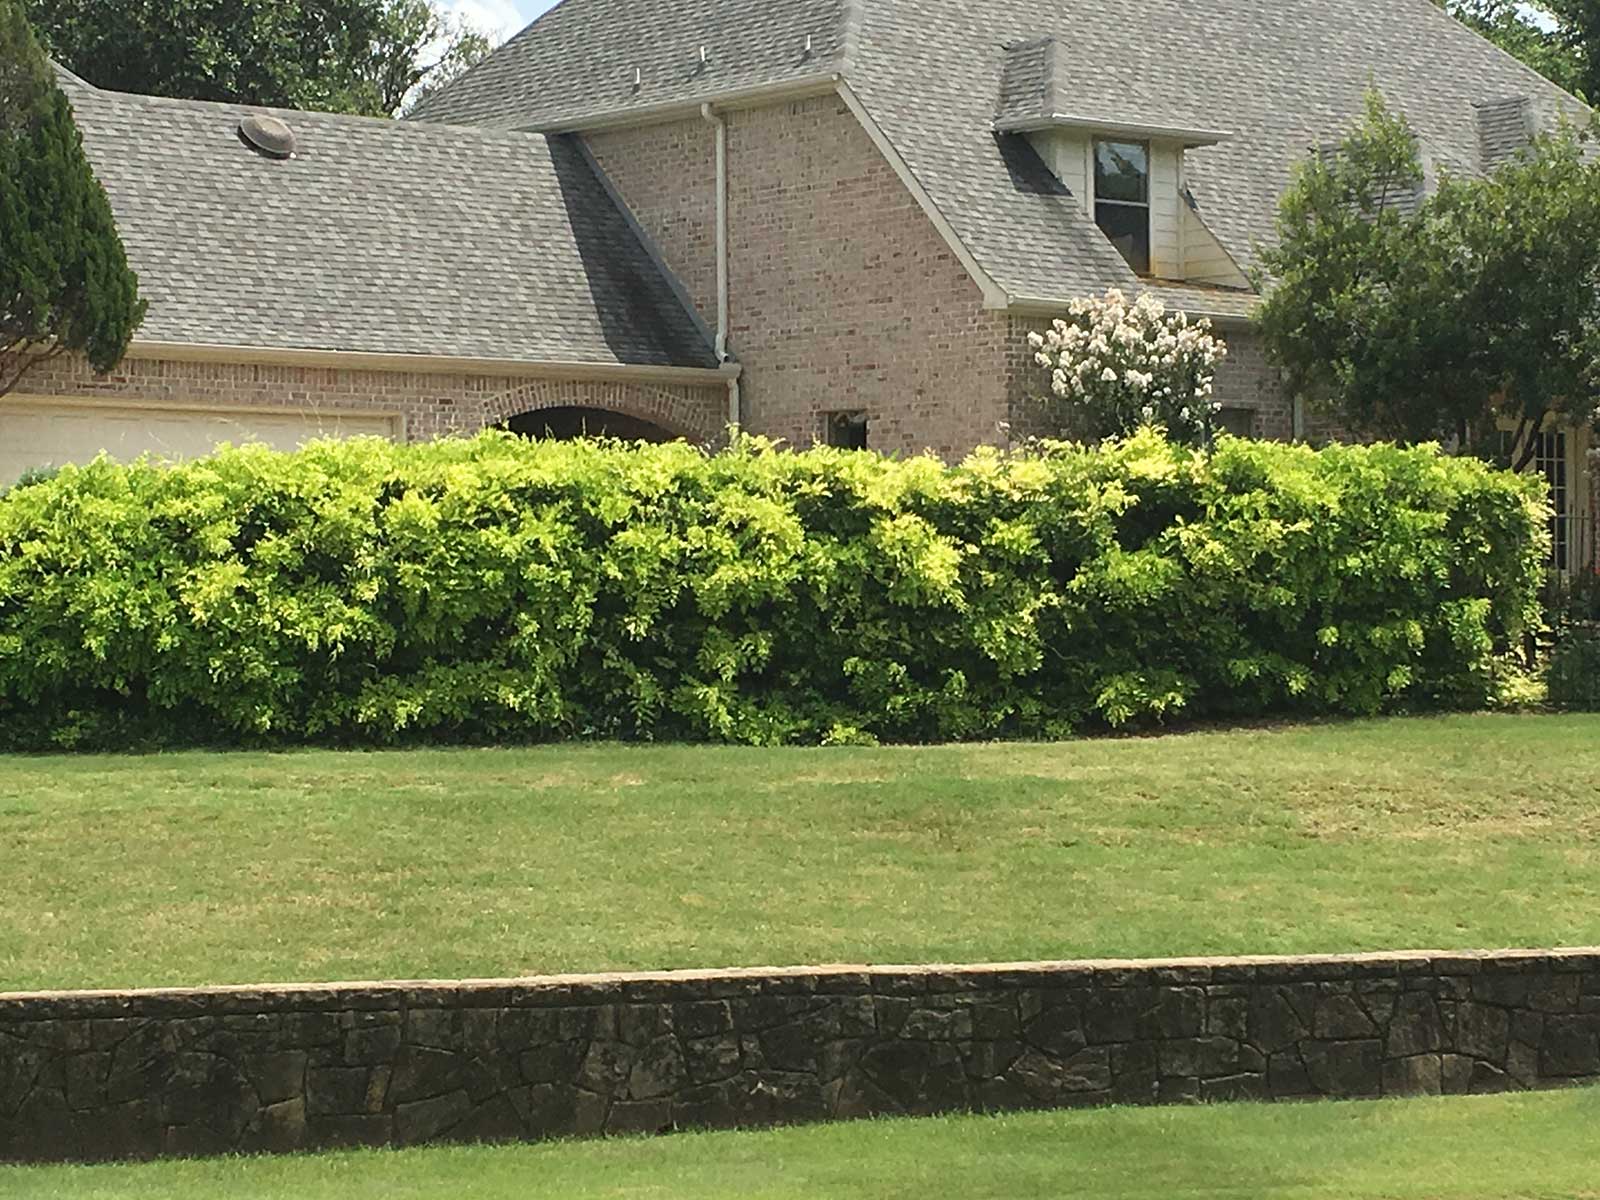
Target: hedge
499,589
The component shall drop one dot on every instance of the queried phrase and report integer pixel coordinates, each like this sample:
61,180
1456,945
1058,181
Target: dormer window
1123,160
1122,198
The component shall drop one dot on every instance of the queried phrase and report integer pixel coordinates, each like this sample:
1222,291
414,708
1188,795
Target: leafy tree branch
1454,313
371,57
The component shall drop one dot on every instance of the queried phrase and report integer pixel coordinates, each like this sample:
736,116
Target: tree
419,49
1448,315
1558,38
1116,366
1532,33
356,56
1578,24
65,284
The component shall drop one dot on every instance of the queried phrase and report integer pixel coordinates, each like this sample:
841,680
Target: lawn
1480,1148
1468,831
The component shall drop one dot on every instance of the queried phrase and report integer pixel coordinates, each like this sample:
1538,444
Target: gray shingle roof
1282,76
379,237
1503,127
581,56
1028,84
1047,81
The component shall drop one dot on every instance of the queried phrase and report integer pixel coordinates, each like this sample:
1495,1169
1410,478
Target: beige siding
1067,155
1205,261
1166,225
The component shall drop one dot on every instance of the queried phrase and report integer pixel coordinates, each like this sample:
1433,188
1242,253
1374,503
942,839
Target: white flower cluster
1126,365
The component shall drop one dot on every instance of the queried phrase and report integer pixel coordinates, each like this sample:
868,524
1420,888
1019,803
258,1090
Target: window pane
1241,422
1550,460
847,430
1122,171
1128,227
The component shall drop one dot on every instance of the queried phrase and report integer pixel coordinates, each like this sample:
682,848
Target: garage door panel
44,434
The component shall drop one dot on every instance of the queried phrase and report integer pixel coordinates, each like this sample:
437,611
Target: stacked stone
108,1075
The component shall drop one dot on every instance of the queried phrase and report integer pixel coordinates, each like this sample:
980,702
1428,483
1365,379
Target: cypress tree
65,284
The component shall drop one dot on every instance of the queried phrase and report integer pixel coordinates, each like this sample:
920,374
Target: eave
434,364
676,110
1188,136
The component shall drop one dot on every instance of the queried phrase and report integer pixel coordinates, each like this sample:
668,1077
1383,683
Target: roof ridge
563,73
1534,76
851,18
71,78
418,112
427,128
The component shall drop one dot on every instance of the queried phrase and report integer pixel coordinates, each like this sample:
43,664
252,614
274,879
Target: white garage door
39,433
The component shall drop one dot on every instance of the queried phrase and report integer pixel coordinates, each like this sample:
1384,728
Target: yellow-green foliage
496,588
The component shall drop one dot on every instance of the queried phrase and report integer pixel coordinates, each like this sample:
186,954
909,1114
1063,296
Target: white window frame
1095,201
1570,549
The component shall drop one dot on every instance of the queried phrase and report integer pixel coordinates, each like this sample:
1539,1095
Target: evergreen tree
65,284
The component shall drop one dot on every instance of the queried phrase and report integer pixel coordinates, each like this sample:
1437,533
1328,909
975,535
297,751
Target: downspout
721,125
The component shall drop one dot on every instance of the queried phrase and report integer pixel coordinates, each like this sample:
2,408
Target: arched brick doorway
624,410
565,422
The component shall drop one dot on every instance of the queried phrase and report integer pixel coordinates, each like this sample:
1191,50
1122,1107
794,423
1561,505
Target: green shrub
1572,599
32,476
1574,671
496,589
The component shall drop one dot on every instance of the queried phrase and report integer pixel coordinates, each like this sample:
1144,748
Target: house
832,220
404,279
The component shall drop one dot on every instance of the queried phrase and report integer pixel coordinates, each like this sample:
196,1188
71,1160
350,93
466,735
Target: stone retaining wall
100,1075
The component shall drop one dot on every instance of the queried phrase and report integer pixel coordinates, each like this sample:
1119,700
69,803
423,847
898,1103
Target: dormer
1123,161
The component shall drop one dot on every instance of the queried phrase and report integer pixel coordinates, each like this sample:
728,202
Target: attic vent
267,135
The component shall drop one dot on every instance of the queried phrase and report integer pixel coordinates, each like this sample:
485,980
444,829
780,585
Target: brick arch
695,414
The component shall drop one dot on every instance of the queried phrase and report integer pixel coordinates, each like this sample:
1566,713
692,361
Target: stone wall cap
938,976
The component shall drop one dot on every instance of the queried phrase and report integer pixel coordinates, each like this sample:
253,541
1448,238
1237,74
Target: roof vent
267,135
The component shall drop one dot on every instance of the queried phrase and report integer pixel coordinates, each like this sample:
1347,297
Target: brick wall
100,1075
1247,380
432,404
842,294
667,175
1029,411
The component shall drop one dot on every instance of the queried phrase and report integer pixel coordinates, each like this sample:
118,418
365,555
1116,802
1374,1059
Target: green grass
1471,831
1484,1147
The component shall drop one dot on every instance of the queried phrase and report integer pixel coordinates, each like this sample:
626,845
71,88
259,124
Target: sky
499,18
